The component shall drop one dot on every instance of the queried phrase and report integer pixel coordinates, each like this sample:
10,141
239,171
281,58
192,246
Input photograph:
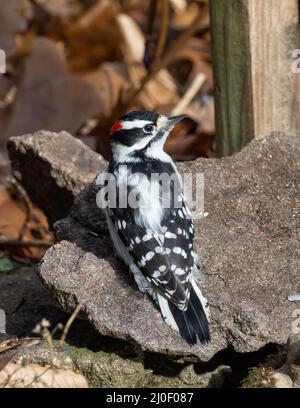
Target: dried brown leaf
92,39
197,52
188,144
185,16
109,81
48,96
35,376
9,344
5,359
12,218
159,91
10,347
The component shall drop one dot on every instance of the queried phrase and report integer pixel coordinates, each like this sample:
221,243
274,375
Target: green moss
114,369
259,377
108,369
188,378
111,370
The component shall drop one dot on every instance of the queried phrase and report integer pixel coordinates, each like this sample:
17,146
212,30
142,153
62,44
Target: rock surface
288,376
248,245
54,168
102,360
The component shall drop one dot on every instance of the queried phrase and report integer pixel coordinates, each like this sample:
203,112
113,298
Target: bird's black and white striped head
140,133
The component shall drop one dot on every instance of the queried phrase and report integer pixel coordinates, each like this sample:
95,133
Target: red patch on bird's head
116,126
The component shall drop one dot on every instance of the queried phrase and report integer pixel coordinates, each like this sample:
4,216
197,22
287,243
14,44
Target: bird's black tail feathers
192,323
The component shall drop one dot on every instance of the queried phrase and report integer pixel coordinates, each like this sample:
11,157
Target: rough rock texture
53,165
248,244
103,360
288,376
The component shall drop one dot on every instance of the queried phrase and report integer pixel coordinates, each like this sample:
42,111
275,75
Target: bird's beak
173,120
168,122
165,124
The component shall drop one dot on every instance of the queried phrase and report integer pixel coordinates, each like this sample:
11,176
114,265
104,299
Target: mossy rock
112,369
259,377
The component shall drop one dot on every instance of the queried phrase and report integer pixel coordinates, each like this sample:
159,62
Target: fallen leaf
197,53
12,218
5,359
48,97
187,142
35,376
10,347
159,91
109,81
90,40
6,265
183,18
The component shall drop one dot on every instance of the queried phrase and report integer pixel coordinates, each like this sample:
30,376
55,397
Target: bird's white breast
143,197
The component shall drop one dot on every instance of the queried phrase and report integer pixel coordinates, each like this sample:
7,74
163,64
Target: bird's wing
165,258
180,235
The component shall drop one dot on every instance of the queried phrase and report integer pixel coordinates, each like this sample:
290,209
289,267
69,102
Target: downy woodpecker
155,240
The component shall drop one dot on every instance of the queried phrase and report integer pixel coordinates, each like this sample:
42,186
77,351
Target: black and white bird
155,240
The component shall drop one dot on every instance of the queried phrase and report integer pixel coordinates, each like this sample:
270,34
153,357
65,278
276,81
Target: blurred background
77,65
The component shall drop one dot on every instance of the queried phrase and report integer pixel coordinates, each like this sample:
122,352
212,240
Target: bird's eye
148,128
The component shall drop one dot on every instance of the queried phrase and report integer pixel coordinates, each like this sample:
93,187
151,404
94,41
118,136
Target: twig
179,5
151,18
25,243
156,45
162,33
69,324
29,215
59,326
150,35
165,61
13,182
155,67
182,39
190,93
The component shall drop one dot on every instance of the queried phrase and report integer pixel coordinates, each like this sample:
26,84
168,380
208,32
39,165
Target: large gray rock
248,244
53,168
